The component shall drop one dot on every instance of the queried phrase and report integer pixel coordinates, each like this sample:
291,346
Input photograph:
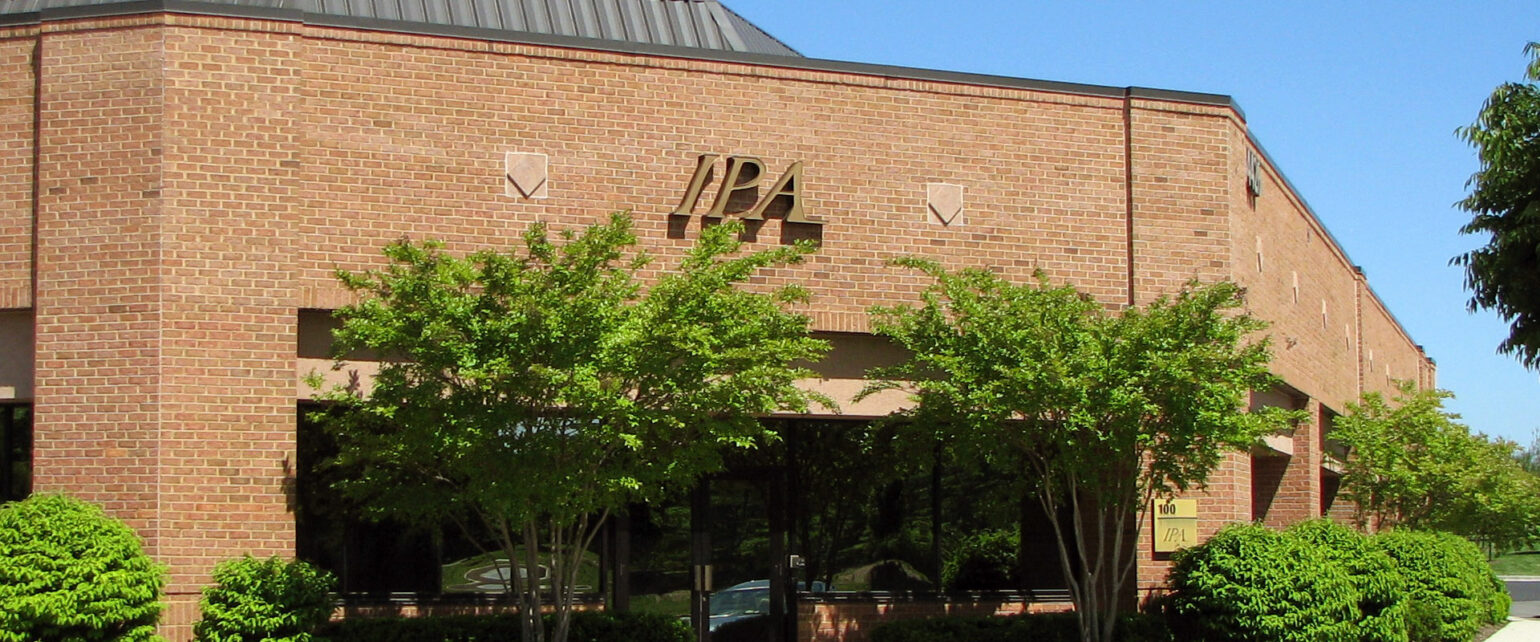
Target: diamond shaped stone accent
526,175
945,201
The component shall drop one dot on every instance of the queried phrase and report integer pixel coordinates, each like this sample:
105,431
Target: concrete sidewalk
1518,630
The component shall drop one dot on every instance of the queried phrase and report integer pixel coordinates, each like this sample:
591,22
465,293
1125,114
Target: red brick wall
230,198
98,378
1314,353
17,83
409,141
1389,355
1180,189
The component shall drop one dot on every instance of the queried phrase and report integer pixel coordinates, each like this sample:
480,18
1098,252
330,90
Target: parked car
741,612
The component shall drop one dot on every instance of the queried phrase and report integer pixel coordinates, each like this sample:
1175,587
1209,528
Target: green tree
1412,465
1504,275
525,395
1102,413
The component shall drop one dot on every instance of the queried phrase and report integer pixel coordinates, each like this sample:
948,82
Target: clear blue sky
1357,102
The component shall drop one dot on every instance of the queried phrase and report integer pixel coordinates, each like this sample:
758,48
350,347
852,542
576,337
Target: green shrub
1421,621
68,572
983,561
268,600
1249,583
1046,627
587,626
1450,575
1380,589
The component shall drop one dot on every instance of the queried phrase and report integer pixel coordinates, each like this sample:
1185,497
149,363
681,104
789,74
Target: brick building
179,180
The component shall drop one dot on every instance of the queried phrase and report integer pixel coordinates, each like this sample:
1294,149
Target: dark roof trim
137,7
1298,195
1341,249
497,35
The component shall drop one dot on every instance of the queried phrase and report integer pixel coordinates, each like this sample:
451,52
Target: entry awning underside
698,24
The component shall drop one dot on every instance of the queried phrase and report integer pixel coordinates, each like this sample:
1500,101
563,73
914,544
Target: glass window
368,557
15,452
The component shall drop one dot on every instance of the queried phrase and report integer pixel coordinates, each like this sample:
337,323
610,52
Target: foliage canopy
1412,465
1504,274
1102,412
524,395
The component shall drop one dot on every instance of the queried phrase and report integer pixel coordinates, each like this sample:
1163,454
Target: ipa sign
740,185
1176,524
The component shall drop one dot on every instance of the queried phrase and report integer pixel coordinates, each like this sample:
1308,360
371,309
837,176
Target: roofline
757,28
1362,275
195,7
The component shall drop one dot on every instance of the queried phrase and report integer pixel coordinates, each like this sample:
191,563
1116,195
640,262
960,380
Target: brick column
167,212
1298,495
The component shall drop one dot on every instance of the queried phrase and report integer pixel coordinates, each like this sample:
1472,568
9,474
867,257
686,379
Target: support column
782,589
700,561
620,562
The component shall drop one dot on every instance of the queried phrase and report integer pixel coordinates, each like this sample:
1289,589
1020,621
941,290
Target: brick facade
175,188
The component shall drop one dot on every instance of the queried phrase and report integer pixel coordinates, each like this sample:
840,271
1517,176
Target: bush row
1318,582
70,573
1323,582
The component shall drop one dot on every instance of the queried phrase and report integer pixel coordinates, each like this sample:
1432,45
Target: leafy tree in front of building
70,573
271,600
1412,465
1101,412
523,395
1504,274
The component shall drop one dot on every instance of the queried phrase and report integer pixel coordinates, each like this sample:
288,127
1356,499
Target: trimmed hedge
983,561
68,572
587,626
1320,581
1450,576
269,600
1380,589
1251,584
1046,627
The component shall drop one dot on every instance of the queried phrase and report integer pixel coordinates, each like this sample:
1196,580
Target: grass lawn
1521,563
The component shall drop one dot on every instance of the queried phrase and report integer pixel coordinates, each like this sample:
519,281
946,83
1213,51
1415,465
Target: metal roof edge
1400,327
613,46
774,60
1200,98
1342,249
750,23
1251,137
135,7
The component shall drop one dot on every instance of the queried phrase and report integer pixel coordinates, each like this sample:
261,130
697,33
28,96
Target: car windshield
740,602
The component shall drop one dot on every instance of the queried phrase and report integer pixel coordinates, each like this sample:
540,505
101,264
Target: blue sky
1357,102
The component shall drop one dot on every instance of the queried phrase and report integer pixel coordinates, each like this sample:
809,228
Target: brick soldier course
178,184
